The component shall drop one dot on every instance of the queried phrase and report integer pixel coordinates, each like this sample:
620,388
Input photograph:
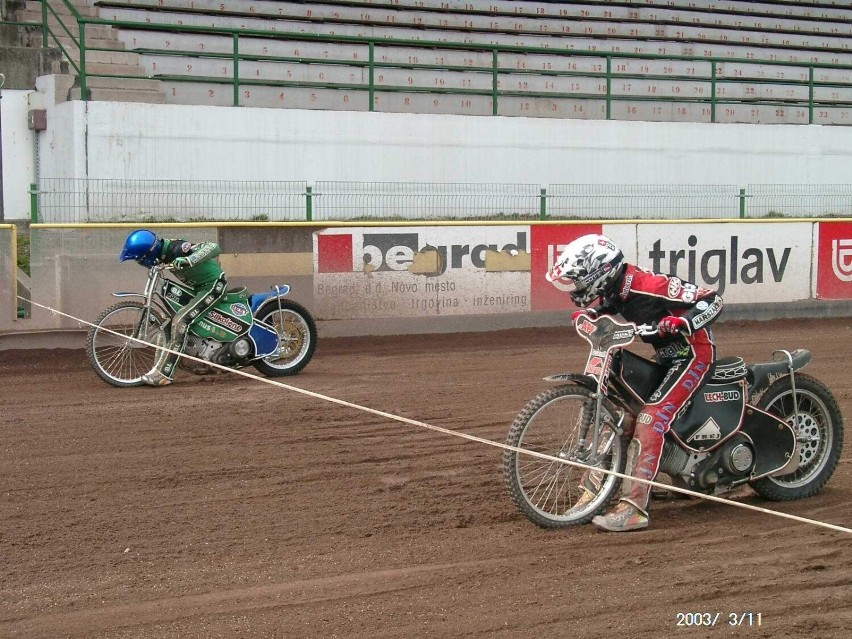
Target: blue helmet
142,246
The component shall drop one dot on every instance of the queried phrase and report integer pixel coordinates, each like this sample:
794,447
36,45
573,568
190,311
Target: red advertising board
834,261
546,243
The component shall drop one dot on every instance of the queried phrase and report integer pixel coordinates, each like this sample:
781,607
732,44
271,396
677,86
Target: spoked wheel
550,493
116,358
297,338
818,423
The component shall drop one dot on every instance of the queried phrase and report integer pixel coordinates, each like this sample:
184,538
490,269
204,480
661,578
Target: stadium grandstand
778,62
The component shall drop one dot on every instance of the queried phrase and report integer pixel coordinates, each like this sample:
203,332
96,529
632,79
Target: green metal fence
95,201
678,87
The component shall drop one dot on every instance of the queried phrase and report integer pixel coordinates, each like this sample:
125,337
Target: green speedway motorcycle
275,335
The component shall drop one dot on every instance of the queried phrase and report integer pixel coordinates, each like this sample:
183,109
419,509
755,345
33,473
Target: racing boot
623,518
590,485
156,378
163,371
584,500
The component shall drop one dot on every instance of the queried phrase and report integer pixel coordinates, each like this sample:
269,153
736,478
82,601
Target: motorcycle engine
234,352
733,461
704,471
202,348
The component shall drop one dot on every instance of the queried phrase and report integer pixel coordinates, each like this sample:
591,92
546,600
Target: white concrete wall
139,141
18,154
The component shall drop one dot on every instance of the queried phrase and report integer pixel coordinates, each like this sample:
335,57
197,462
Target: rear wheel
549,492
297,338
818,423
114,354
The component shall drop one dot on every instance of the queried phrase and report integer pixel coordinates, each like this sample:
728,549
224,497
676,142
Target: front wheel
112,347
297,338
550,493
818,424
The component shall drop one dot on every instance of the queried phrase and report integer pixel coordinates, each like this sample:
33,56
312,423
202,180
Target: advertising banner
417,271
745,263
834,261
548,242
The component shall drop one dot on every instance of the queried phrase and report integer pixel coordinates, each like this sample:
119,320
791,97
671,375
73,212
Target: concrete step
142,84
92,30
106,57
120,94
82,8
115,69
113,44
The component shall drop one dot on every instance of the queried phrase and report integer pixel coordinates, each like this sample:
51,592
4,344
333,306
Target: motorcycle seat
238,294
728,369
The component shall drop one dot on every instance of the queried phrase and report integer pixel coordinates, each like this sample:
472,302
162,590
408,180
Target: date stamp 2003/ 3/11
733,619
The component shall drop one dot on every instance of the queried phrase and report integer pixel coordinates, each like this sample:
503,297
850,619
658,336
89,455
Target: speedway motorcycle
265,330
766,425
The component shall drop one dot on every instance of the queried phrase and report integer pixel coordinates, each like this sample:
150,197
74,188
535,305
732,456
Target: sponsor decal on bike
586,327
644,418
625,334
226,322
722,396
709,431
595,366
239,310
663,387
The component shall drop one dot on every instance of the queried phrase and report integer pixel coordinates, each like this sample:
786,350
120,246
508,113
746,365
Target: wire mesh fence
799,200
425,201
642,201
141,201
73,200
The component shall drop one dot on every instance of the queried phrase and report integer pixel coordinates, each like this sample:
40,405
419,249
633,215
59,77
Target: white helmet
588,265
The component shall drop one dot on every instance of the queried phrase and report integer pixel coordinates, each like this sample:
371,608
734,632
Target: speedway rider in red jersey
594,270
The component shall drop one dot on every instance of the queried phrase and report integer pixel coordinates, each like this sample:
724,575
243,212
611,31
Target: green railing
148,201
814,92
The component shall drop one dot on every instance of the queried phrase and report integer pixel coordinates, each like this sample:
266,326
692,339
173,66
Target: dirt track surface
131,513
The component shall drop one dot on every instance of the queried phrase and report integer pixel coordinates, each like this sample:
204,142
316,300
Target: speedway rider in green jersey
194,266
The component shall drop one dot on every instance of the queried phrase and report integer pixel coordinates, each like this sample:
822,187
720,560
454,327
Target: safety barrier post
742,204
309,203
34,203
542,209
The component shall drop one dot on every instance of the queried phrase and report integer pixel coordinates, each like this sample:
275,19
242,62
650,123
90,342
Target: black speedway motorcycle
766,425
